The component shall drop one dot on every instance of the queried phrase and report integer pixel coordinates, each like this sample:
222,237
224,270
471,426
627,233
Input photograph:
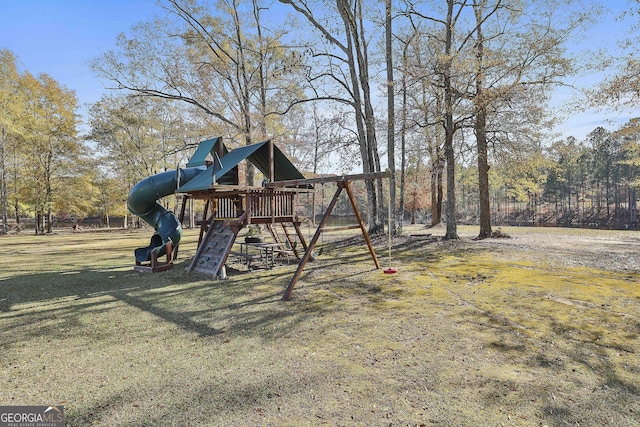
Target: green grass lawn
466,333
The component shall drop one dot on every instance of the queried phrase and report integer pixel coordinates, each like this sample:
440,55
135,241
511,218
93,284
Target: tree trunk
437,163
245,96
435,216
16,209
480,127
403,138
377,203
452,231
363,115
390,119
483,179
262,124
437,189
250,169
3,181
49,221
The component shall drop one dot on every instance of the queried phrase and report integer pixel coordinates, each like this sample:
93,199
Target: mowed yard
538,329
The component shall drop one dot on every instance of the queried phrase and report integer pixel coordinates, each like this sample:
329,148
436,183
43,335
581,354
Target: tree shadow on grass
553,358
48,306
207,402
193,302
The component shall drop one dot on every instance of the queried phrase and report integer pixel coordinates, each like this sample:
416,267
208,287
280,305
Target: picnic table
263,252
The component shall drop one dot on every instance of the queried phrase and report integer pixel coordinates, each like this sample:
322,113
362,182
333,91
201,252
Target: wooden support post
272,178
291,242
246,201
307,255
362,227
203,228
185,198
312,244
296,225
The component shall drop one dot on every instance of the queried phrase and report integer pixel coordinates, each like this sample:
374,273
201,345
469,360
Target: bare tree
498,57
213,64
480,124
8,122
446,68
354,83
422,109
391,118
517,49
450,128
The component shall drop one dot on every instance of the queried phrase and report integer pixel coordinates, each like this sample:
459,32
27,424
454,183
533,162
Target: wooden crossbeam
324,179
341,228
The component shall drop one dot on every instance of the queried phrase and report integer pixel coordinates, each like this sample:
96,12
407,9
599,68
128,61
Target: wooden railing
270,204
258,204
230,206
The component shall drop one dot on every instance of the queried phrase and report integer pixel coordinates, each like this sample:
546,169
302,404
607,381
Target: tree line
452,96
43,165
570,183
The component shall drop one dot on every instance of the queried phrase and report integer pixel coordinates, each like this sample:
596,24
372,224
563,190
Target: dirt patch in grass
537,329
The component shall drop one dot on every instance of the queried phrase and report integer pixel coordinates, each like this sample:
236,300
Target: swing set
343,183
229,207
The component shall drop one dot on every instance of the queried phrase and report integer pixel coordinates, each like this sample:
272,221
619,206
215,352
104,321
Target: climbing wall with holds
214,249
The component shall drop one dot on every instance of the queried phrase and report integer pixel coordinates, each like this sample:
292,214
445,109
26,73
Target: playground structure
211,175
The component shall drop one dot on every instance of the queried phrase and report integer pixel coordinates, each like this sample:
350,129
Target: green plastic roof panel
205,148
283,168
258,154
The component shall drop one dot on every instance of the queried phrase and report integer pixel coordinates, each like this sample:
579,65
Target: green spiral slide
142,201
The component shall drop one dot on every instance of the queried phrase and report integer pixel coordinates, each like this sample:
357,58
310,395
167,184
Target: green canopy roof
205,148
258,154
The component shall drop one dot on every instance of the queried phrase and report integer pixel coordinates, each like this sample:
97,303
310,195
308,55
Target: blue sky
59,37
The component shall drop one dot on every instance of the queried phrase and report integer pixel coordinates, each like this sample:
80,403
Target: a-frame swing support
343,183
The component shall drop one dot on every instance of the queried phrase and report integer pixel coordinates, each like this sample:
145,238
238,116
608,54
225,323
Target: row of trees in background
48,171
588,183
457,88
481,65
43,165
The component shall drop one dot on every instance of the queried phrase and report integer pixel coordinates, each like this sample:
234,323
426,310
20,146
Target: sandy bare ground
608,250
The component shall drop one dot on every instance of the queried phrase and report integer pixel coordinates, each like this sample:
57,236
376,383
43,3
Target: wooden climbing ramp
214,249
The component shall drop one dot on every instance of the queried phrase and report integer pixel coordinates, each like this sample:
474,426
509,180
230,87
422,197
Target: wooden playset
212,176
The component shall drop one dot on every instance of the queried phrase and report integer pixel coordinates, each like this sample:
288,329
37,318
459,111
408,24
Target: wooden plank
234,190
324,179
185,198
340,228
296,225
268,219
